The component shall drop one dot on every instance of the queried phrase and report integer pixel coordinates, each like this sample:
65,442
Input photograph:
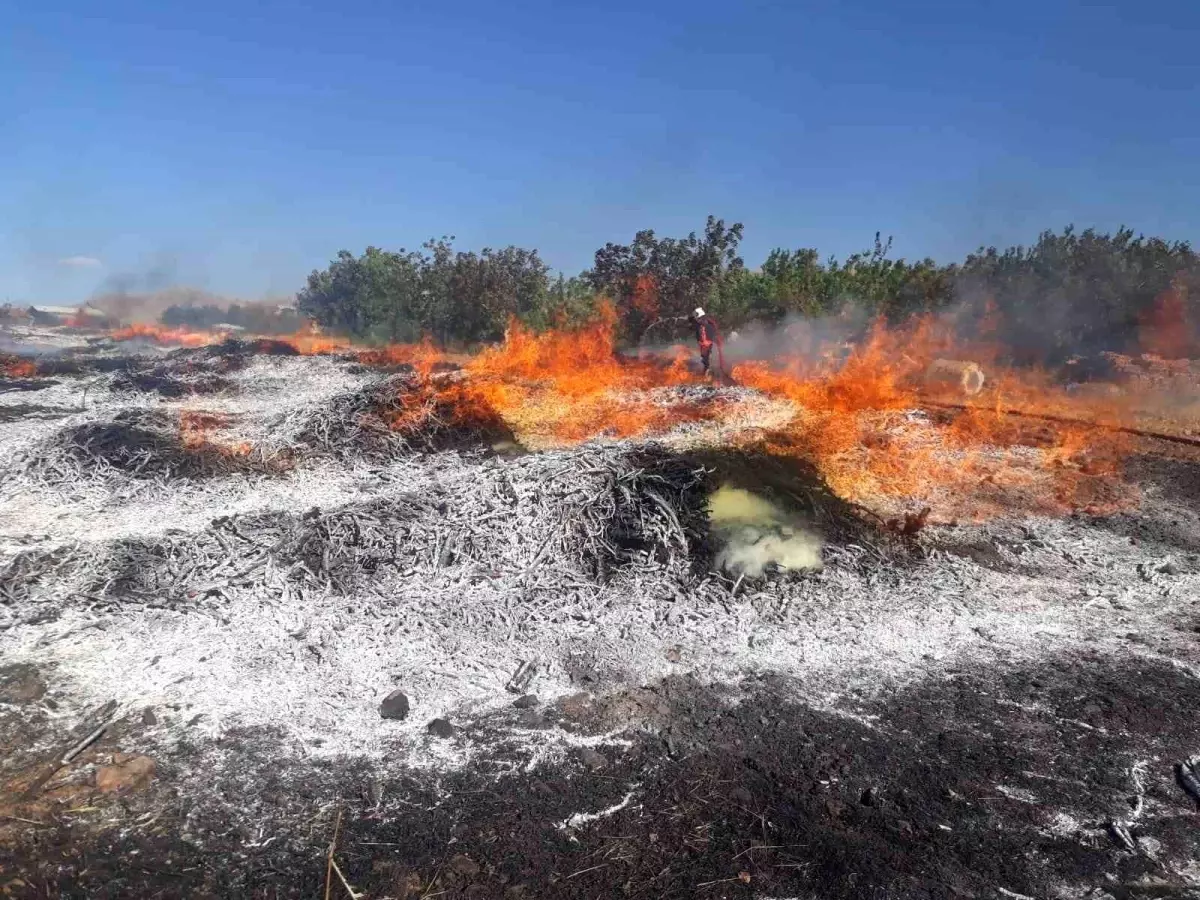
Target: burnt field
286,625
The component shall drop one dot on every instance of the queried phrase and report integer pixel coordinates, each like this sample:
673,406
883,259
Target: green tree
1075,292
655,278
401,295
492,287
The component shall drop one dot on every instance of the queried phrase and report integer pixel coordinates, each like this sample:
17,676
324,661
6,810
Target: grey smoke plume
140,296
795,337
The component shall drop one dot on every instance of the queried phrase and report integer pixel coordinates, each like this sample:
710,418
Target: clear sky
237,145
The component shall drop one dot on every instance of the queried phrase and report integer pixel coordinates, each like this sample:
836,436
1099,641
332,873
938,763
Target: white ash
315,665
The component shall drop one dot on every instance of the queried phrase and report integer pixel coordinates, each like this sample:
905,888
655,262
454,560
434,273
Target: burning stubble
890,417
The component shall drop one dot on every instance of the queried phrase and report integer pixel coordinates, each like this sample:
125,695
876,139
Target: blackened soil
160,381
964,785
17,411
9,385
1169,520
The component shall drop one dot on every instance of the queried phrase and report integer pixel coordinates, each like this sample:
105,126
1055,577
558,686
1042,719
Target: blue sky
236,146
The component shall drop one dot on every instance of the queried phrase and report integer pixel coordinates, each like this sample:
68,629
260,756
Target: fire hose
969,378
1068,420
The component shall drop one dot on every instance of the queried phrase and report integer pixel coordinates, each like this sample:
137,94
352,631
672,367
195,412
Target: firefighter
708,336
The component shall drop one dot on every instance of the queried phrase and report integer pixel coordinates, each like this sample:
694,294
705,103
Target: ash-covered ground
217,565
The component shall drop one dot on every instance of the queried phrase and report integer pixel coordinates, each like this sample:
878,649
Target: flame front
867,418
869,422
569,385
158,334
16,367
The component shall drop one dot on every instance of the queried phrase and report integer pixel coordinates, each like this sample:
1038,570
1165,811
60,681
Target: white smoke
756,535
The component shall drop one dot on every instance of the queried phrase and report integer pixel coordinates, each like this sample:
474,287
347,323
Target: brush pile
398,414
548,522
561,516
237,348
647,507
67,364
165,382
134,444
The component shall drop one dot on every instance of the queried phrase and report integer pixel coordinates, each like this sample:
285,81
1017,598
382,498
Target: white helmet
698,312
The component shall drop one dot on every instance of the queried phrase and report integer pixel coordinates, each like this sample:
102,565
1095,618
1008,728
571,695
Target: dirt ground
985,711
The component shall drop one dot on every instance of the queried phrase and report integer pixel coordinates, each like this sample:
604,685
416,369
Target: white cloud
81,262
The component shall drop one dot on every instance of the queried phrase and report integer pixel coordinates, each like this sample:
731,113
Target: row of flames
871,426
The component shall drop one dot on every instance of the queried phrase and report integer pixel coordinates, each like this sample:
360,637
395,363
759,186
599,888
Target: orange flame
569,385
866,417
856,423
162,335
422,357
195,433
856,416
16,367
307,341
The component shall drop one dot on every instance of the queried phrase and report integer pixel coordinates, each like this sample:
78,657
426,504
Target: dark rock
576,706
20,684
148,717
462,864
440,728
870,797
529,701
531,718
593,759
394,705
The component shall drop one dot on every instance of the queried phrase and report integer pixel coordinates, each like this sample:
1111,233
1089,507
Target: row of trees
453,296
1069,292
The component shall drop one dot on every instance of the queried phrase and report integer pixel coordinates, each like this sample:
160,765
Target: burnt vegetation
136,444
402,413
931,710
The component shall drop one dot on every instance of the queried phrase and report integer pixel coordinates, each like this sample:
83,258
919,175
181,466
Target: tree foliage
1081,292
656,278
449,295
1070,292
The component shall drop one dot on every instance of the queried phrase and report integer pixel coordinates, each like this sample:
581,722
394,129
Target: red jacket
707,331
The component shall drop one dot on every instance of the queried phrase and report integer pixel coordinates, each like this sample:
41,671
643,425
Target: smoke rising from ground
138,296
795,337
149,306
755,535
